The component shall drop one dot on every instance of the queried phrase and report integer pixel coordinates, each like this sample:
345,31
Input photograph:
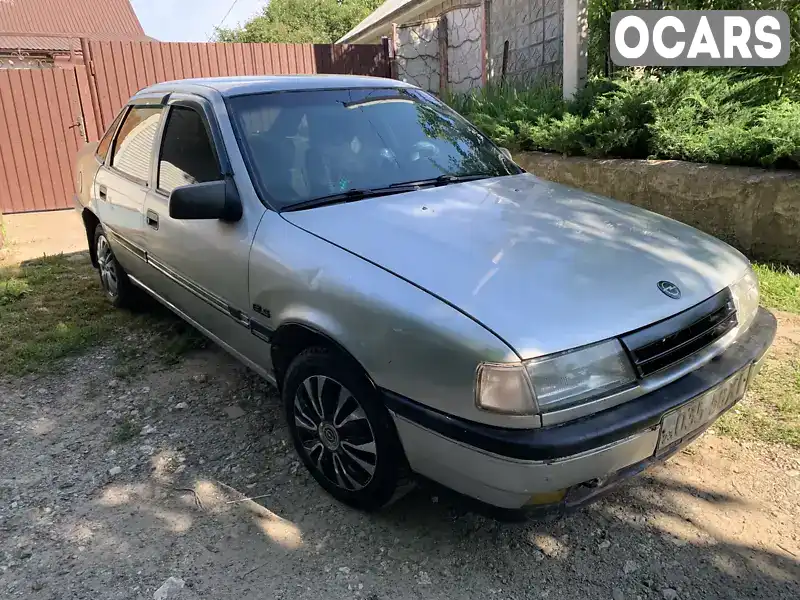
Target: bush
504,111
701,116
777,82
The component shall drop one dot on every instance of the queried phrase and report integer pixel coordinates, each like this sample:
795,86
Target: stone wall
535,34
417,54
445,6
754,210
446,42
464,43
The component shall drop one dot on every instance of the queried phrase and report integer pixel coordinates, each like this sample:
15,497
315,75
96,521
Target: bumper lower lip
504,467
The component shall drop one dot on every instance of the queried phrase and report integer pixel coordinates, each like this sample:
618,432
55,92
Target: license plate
693,415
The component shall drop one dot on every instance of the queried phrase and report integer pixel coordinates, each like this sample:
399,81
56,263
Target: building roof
382,16
44,24
259,84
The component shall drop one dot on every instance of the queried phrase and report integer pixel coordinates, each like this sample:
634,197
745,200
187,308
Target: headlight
554,382
566,379
745,297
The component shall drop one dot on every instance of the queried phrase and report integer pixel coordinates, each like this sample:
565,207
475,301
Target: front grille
668,342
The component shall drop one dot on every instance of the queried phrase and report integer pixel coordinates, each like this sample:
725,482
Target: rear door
121,184
200,266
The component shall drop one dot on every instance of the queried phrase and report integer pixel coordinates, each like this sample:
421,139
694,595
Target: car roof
257,84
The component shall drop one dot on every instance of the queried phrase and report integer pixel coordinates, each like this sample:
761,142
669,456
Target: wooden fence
47,114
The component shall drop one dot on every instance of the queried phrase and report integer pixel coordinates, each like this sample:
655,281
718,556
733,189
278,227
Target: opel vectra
423,305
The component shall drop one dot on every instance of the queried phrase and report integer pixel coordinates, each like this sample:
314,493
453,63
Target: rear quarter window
133,148
105,142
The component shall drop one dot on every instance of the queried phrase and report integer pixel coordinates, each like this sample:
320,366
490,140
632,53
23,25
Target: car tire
342,432
115,282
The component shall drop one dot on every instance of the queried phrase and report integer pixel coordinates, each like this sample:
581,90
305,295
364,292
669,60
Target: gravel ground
109,486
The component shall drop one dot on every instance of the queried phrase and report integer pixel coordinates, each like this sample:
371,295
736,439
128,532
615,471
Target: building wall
431,13
417,54
533,28
464,48
419,46
444,7
534,31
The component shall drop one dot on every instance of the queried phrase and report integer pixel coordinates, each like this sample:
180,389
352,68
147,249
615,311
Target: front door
121,185
200,266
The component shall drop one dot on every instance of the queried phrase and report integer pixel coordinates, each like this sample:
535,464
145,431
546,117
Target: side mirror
210,200
507,153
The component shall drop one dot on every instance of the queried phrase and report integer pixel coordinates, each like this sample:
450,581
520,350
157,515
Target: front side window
187,155
105,143
312,144
133,148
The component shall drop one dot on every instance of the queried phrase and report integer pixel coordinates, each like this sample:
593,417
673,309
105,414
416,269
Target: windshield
314,144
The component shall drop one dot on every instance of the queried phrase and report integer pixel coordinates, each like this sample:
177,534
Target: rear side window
133,148
187,155
105,144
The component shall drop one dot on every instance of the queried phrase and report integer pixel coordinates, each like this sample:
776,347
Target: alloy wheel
335,433
107,266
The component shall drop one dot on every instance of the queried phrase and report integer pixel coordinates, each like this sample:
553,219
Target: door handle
152,219
103,192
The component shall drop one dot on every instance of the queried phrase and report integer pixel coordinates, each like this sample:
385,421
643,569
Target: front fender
408,341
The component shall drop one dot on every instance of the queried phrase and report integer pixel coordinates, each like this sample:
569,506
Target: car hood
544,266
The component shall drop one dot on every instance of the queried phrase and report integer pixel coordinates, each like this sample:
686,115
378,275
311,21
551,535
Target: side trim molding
208,297
138,252
264,373
259,330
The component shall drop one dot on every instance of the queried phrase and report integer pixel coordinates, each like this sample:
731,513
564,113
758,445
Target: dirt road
109,485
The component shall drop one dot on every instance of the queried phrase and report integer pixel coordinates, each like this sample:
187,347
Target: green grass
54,306
12,289
49,308
770,411
125,430
780,287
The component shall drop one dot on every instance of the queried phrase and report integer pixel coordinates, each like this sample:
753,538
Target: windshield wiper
395,188
443,180
350,196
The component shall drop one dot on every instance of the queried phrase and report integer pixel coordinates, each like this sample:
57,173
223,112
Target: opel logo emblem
669,289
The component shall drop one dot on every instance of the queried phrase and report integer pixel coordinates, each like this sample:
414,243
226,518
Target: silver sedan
423,305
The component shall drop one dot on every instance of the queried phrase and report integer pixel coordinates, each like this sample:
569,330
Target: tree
301,21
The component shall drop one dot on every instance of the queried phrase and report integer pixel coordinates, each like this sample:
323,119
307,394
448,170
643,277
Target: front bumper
587,457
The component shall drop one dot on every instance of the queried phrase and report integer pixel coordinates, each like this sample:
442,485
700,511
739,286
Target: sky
191,20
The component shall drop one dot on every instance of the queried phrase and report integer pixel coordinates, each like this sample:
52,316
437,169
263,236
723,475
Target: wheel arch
293,337
90,223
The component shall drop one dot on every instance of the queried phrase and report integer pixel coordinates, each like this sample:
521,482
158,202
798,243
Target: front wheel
342,432
116,284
